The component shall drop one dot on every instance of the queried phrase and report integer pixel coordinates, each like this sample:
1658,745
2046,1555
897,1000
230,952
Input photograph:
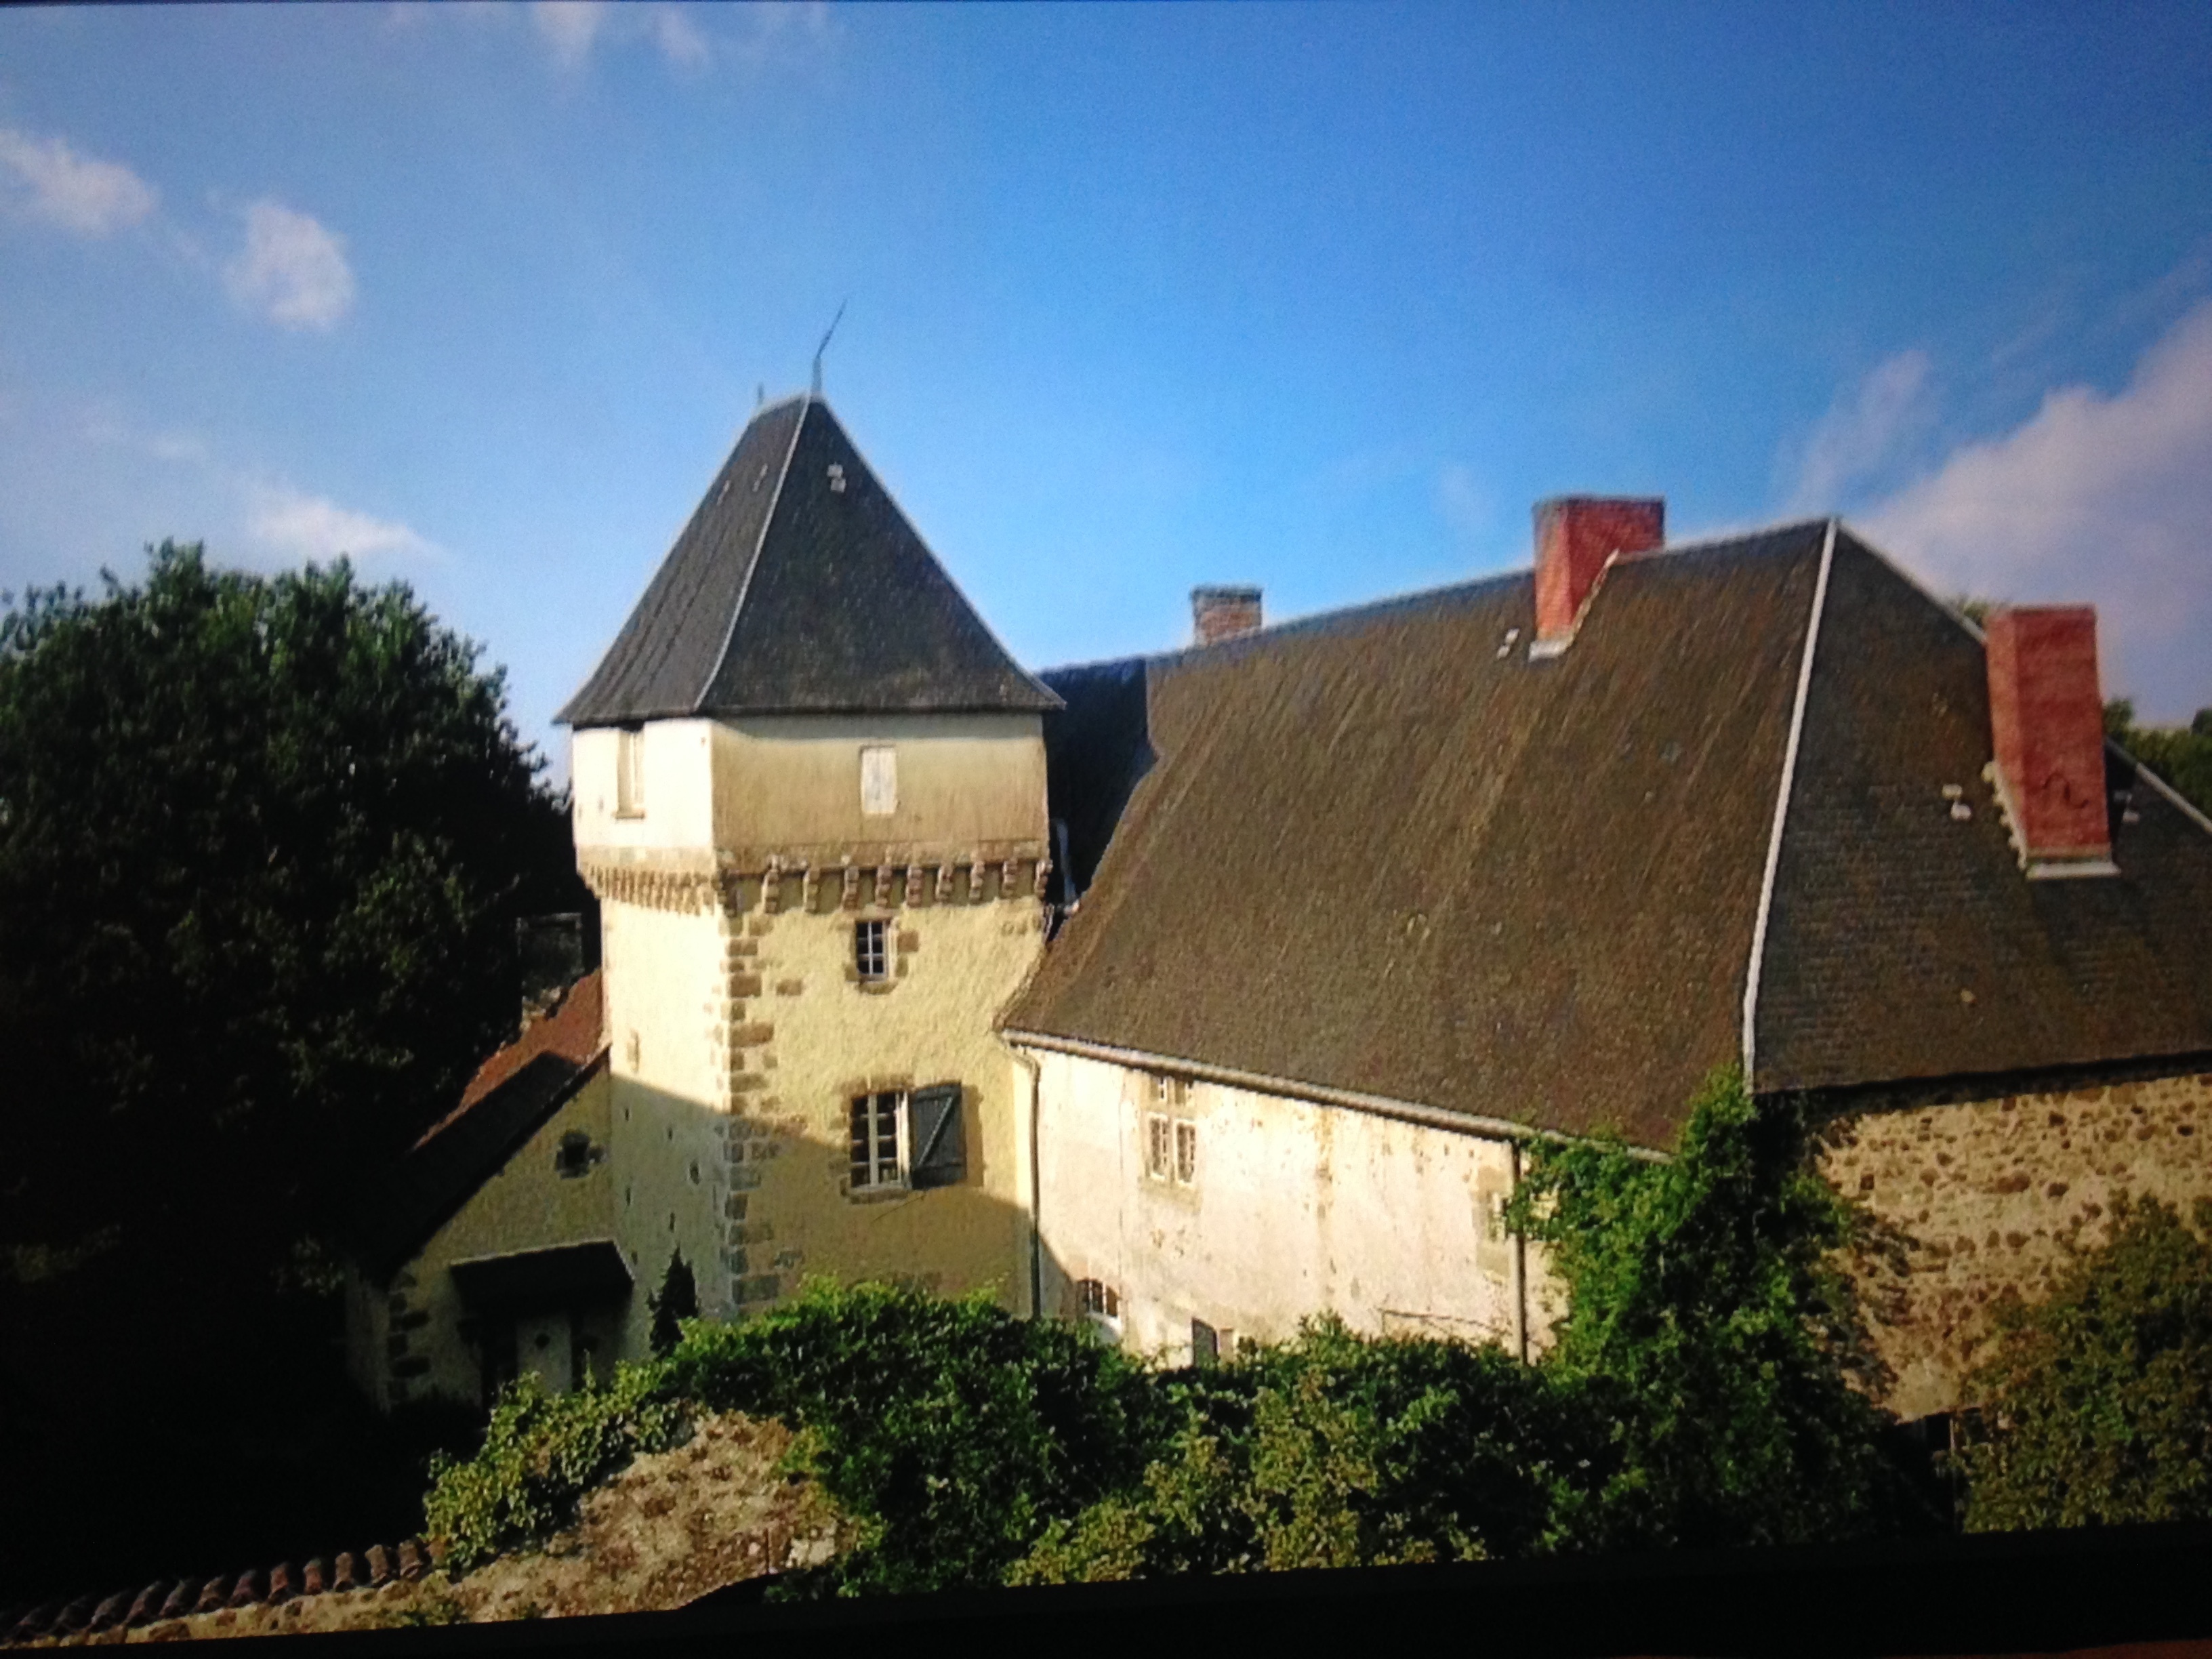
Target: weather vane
824,346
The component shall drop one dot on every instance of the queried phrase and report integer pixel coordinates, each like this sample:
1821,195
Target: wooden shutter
939,1150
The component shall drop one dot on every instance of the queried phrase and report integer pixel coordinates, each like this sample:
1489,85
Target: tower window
878,780
630,772
871,954
879,1160
1100,1299
907,1139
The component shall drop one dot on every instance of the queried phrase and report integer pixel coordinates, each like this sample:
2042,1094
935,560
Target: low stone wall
1977,1192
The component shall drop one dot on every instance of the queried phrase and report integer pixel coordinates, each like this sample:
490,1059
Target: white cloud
93,198
678,38
569,28
1467,507
2101,499
1865,427
291,269
314,527
572,29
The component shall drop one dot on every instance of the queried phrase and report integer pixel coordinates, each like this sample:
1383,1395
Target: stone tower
809,794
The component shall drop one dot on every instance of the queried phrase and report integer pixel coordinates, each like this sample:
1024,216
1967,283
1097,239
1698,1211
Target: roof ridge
1470,588
1758,961
806,402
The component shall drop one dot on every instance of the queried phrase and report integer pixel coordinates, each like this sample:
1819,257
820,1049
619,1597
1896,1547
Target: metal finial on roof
824,346
760,393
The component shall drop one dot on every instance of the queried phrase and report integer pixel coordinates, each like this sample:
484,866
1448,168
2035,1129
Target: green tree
263,845
2181,755
2096,1403
678,1300
1709,1316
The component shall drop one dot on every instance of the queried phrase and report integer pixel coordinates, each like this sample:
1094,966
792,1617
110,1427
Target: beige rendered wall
417,1330
967,783
816,1037
739,1031
1985,1194
1298,1208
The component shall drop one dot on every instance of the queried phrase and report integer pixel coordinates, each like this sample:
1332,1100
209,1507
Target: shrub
1337,1451
2097,1402
950,1431
540,1454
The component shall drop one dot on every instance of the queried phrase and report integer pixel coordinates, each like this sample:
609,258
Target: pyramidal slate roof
800,586
1382,855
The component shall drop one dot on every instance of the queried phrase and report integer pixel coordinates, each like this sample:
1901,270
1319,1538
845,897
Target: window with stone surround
1100,1300
902,1138
871,952
1156,1145
1186,1153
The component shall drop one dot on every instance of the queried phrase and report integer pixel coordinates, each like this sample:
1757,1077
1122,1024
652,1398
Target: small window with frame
1157,1146
1204,1343
630,772
906,1140
871,951
1186,1153
1100,1300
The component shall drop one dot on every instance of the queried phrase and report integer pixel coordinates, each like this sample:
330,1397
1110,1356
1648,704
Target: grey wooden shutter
939,1150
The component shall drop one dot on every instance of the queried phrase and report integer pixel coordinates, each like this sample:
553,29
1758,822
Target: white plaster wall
664,974
1298,1208
678,786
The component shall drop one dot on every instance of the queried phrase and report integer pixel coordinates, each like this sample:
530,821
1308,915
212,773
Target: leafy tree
2097,1402
263,844
1709,1318
678,1301
2182,755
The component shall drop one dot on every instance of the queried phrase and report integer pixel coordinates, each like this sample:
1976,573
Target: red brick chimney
2047,723
1576,535
1223,613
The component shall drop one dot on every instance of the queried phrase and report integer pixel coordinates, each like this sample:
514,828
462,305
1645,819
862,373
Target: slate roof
1383,852
1373,854
787,593
1886,909
510,1097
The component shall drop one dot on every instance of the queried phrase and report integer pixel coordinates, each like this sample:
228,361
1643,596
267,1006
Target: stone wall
1981,1193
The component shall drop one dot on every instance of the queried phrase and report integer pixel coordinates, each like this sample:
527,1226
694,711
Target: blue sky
1321,297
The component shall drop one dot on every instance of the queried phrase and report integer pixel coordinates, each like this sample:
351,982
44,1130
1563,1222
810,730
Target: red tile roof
574,1031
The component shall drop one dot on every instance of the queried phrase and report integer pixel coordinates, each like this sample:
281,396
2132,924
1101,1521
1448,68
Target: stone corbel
772,886
852,895
1043,871
810,886
913,885
945,884
883,887
1010,876
975,879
